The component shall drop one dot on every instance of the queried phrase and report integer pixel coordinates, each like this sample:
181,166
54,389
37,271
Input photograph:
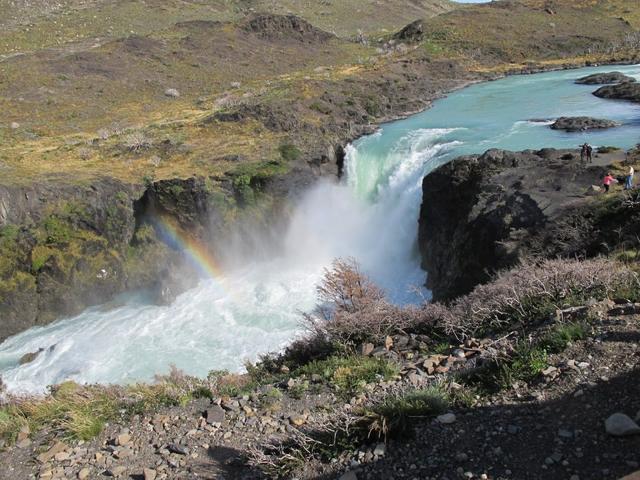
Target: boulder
606,78
579,124
622,91
29,357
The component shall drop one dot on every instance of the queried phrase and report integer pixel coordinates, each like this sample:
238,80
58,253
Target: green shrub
559,337
57,230
395,415
523,364
271,399
351,373
320,107
289,152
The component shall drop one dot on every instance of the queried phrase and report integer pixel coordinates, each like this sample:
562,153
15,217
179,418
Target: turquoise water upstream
372,217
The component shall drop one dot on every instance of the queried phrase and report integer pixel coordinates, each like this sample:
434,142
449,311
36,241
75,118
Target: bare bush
346,289
104,133
137,141
84,153
353,309
534,290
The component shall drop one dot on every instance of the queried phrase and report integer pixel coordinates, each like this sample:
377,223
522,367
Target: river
371,216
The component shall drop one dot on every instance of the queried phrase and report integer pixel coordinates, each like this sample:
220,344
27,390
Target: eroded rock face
622,91
604,78
483,213
578,124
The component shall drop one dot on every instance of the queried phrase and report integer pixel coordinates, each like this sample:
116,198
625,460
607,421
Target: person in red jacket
607,181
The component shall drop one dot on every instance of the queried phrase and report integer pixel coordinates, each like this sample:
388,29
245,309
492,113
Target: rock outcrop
411,33
622,91
578,124
605,78
286,28
483,213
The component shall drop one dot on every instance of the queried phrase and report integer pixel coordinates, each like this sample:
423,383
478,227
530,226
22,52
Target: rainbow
171,233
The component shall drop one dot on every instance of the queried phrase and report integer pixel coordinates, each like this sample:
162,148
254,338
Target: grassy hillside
518,32
97,102
29,26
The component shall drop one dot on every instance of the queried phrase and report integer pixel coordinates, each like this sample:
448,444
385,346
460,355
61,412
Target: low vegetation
396,415
80,412
350,374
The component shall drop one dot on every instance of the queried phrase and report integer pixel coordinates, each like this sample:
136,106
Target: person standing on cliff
583,153
607,181
628,181
589,153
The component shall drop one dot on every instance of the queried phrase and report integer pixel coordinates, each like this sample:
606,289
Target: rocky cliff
66,246
483,213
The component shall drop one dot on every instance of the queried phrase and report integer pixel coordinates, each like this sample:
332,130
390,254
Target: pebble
84,474
24,443
297,420
350,475
116,471
446,418
562,433
49,454
215,414
620,425
149,474
177,449
380,449
123,439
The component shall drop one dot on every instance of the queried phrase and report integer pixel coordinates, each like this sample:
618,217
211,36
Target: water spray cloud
197,253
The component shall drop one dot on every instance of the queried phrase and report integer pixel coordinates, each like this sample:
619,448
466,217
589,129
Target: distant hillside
28,25
517,31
